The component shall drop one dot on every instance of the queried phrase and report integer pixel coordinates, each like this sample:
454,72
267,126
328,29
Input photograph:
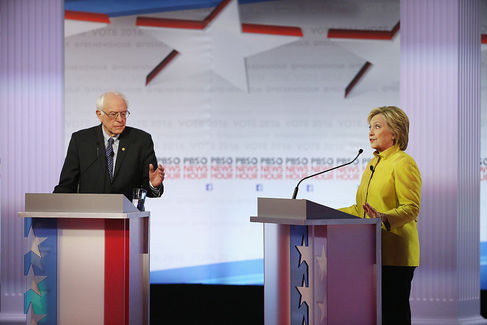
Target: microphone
324,171
112,154
94,161
372,169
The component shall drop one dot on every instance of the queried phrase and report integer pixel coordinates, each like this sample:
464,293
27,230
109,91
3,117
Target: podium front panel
317,274
87,270
81,248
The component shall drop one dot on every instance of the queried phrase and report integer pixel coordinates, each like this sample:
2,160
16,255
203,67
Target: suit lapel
99,142
123,147
100,148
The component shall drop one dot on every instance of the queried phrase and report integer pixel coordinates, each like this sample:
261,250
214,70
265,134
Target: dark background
216,304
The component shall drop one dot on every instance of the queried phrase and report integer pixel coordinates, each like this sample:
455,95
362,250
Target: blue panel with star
27,225
40,267
299,274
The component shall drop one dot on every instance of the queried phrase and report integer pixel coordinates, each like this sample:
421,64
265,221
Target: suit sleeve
150,158
69,179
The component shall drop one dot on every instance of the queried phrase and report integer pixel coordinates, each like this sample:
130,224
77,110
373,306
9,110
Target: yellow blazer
394,188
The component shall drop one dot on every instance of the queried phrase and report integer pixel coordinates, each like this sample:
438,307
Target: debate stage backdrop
238,109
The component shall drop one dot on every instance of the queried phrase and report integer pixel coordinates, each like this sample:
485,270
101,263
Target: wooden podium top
68,205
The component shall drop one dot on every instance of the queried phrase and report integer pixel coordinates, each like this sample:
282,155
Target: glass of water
138,198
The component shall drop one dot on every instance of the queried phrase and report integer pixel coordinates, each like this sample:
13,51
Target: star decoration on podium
322,308
305,293
220,44
33,242
33,281
304,253
31,317
322,262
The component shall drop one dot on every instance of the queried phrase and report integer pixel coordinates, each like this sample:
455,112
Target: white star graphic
384,57
322,262
304,253
222,48
33,242
33,281
31,318
322,308
75,27
305,293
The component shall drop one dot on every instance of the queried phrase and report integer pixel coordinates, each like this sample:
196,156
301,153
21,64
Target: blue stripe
119,8
249,272
483,265
299,272
46,265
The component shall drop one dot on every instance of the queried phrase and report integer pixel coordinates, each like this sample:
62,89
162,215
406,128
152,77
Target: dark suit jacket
85,168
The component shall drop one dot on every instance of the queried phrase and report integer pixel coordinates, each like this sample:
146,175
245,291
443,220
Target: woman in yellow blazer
391,190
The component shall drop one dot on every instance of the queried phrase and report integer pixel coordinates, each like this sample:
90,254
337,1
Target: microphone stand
324,171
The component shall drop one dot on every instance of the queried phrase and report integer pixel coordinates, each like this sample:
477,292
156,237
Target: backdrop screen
238,112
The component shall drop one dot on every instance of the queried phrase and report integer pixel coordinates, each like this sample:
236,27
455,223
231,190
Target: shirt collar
388,152
106,136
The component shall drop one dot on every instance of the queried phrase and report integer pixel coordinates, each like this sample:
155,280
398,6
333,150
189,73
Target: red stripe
216,11
127,271
116,272
484,38
169,23
396,28
86,16
364,33
160,66
357,77
181,23
359,34
272,29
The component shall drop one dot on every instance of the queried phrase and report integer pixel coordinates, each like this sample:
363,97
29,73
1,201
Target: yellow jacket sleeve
351,210
407,183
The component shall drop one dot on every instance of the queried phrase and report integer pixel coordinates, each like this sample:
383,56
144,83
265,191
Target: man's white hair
101,99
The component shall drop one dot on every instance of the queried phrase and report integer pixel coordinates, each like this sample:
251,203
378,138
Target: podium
87,260
321,266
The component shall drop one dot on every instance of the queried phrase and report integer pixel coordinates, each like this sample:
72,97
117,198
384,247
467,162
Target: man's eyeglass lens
114,115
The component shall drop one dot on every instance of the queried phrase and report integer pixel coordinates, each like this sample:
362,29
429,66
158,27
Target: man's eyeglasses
114,115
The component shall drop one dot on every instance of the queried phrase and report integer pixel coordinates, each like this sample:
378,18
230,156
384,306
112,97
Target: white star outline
221,48
31,317
33,281
304,253
75,27
322,308
33,242
322,262
322,265
304,291
384,57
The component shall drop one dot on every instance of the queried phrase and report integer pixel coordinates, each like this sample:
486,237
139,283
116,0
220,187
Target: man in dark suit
111,157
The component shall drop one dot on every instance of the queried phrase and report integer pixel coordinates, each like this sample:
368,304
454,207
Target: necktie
109,155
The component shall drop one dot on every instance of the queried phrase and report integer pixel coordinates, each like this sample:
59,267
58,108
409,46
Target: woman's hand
373,213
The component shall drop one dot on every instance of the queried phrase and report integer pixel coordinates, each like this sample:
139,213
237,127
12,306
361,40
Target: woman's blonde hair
397,121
